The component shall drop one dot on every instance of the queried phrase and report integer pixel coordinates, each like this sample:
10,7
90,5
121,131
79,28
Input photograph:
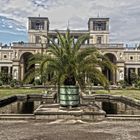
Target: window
4,69
37,39
75,39
86,42
50,42
5,56
56,40
37,25
131,57
139,58
99,25
99,40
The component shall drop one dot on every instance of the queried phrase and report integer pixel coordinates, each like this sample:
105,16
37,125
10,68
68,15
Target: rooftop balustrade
35,45
30,45
103,45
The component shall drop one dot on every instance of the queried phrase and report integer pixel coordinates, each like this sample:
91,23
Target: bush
1,83
5,78
122,83
37,82
138,84
15,83
133,78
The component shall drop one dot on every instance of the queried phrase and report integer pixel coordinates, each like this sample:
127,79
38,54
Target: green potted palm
71,65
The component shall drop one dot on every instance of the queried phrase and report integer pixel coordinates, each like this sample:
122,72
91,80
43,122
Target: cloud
124,14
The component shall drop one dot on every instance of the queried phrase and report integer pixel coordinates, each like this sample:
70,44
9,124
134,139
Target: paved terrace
69,130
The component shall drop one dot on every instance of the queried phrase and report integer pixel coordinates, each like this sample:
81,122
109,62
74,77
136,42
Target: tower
37,26
99,30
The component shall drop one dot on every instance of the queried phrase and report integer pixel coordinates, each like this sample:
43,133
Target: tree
70,64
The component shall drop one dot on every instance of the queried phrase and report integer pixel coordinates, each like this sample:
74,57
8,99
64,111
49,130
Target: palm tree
70,63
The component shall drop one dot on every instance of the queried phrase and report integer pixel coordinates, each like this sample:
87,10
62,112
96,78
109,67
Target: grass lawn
8,92
129,93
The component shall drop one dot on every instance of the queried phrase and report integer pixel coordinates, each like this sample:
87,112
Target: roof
98,19
39,18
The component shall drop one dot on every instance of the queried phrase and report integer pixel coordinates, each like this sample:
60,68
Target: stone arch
24,64
112,54
23,52
111,57
108,73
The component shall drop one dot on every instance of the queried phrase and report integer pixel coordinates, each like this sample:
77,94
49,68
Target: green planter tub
69,96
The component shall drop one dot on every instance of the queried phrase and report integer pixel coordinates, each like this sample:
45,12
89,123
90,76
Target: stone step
17,117
123,117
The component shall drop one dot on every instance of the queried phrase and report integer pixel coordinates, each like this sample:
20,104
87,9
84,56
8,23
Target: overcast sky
124,15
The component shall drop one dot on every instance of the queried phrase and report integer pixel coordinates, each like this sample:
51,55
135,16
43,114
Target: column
126,72
114,77
136,71
91,41
22,71
36,67
9,70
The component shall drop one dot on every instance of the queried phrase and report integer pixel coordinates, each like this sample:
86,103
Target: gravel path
69,130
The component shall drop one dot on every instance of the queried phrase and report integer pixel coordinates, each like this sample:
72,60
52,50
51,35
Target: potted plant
72,66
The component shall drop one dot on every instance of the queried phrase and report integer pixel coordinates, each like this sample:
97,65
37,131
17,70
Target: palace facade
13,59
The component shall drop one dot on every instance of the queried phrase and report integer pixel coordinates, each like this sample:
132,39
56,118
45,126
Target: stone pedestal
53,112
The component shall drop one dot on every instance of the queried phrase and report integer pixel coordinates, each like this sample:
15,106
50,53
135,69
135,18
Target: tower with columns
38,26
99,30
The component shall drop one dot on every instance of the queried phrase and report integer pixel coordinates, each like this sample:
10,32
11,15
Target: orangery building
13,59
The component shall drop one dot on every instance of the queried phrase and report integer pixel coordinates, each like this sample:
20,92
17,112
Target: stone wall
113,104
20,107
